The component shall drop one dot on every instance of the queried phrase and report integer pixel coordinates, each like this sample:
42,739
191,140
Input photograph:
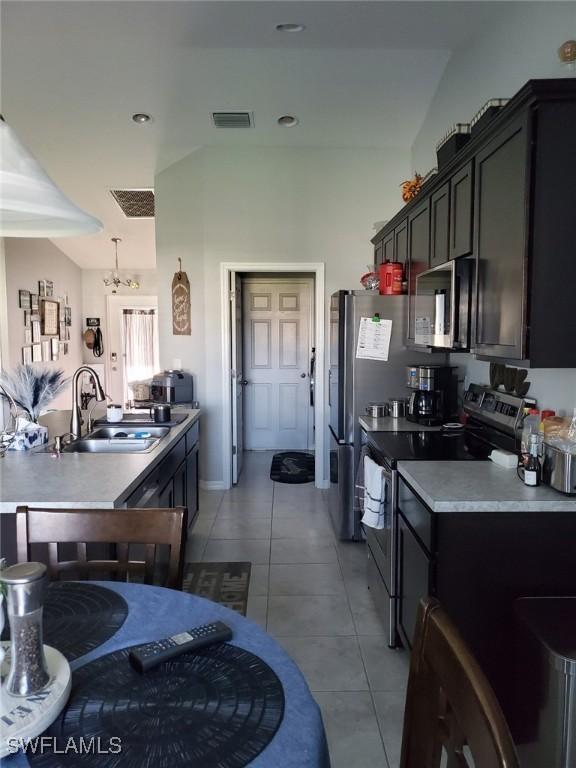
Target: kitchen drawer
192,437
416,514
171,463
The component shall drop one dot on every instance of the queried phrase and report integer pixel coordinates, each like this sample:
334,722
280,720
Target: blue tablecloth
155,612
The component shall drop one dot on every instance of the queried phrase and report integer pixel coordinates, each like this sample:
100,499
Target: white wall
262,205
29,260
495,65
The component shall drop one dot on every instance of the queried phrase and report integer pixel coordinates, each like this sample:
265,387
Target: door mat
224,583
292,467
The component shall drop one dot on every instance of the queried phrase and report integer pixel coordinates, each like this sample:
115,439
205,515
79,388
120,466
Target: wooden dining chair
119,527
450,705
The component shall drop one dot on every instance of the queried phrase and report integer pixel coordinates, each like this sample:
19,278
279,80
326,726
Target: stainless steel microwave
442,305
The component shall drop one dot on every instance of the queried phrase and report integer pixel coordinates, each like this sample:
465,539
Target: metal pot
398,406
377,410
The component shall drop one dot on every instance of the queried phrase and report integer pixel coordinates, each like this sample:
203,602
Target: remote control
145,657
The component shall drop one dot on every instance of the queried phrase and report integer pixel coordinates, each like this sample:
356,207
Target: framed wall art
46,351
49,288
24,299
55,349
34,302
36,353
27,336
26,355
49,317
36,332
41,287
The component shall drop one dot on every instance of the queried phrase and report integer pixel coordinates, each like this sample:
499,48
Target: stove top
461,445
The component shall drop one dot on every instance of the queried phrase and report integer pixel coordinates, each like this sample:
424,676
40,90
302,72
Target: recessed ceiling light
290,27
141,117
288,121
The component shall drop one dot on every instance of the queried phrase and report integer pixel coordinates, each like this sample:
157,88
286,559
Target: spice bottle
25,589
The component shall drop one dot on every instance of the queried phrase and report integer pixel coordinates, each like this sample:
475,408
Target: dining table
295,737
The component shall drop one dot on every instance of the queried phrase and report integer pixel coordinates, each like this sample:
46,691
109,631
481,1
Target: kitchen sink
112,445
118,439
127,432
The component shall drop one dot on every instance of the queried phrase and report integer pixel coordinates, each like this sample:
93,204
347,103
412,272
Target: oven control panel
499,407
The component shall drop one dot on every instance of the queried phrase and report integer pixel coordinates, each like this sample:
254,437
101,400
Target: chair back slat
450,707
118,527
81,551
149,563
52,559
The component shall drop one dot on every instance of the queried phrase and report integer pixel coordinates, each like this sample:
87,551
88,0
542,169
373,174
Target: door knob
302,375
244,382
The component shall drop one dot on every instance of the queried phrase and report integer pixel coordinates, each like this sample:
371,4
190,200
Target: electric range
493,420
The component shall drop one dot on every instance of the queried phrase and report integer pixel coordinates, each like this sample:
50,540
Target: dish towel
374,495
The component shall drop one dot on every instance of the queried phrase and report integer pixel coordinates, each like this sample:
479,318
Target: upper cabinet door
378,253
401,242
501,195
388,247
461,212
418,256
440,226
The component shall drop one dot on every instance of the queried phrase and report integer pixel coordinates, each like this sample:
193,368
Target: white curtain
139,341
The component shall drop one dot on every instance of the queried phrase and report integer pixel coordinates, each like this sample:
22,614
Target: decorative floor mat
292,467
216,708
224,583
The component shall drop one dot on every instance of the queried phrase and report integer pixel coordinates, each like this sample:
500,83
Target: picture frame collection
47,322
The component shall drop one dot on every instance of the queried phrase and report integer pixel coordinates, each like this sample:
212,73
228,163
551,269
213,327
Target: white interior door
277,322
237,374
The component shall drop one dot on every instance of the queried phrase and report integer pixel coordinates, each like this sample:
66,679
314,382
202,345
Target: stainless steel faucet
76,420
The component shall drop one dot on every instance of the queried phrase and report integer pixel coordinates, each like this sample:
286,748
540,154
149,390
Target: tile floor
309,592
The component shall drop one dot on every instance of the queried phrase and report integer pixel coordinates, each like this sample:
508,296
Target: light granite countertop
388,424
80,479
479,486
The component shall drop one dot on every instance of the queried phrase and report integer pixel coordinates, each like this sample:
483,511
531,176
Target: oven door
383,558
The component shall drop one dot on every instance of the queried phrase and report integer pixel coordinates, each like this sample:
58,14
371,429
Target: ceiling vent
135,203
233,119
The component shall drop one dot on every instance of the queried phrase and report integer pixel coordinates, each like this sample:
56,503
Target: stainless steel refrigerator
353,383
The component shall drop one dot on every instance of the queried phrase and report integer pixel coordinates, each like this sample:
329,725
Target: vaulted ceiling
361,74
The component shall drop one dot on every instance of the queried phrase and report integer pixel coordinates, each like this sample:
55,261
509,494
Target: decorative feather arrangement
33,388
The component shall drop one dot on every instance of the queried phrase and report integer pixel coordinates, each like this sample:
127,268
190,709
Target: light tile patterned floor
309,591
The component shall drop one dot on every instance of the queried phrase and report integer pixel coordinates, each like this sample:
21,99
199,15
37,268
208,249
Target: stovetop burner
441,445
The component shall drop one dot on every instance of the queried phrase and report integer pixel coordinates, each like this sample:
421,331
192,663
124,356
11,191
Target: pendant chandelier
31,205
114,278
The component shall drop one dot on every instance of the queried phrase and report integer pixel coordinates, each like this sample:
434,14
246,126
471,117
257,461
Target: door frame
317,269
115,304
308,280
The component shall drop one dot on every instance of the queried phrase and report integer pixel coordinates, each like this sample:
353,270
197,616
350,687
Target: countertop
388,424
479,486
80,479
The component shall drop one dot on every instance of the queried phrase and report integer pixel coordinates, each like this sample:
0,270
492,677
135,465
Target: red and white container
391,276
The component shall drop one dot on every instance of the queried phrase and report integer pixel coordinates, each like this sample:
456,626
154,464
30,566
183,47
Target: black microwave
442,306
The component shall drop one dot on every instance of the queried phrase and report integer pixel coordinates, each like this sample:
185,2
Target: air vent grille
233,119
135,203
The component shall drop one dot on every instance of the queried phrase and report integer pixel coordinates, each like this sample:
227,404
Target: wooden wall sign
181,325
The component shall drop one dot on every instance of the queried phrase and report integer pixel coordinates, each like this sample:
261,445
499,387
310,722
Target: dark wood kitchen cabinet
501,219
440,226
418,256
511,207
461,212
388,247
477,564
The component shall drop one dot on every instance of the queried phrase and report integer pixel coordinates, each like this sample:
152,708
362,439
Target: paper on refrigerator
374,338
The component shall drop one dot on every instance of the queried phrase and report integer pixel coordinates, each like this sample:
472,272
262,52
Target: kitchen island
165,476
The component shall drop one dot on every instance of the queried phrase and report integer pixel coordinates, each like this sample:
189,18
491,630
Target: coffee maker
434,394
